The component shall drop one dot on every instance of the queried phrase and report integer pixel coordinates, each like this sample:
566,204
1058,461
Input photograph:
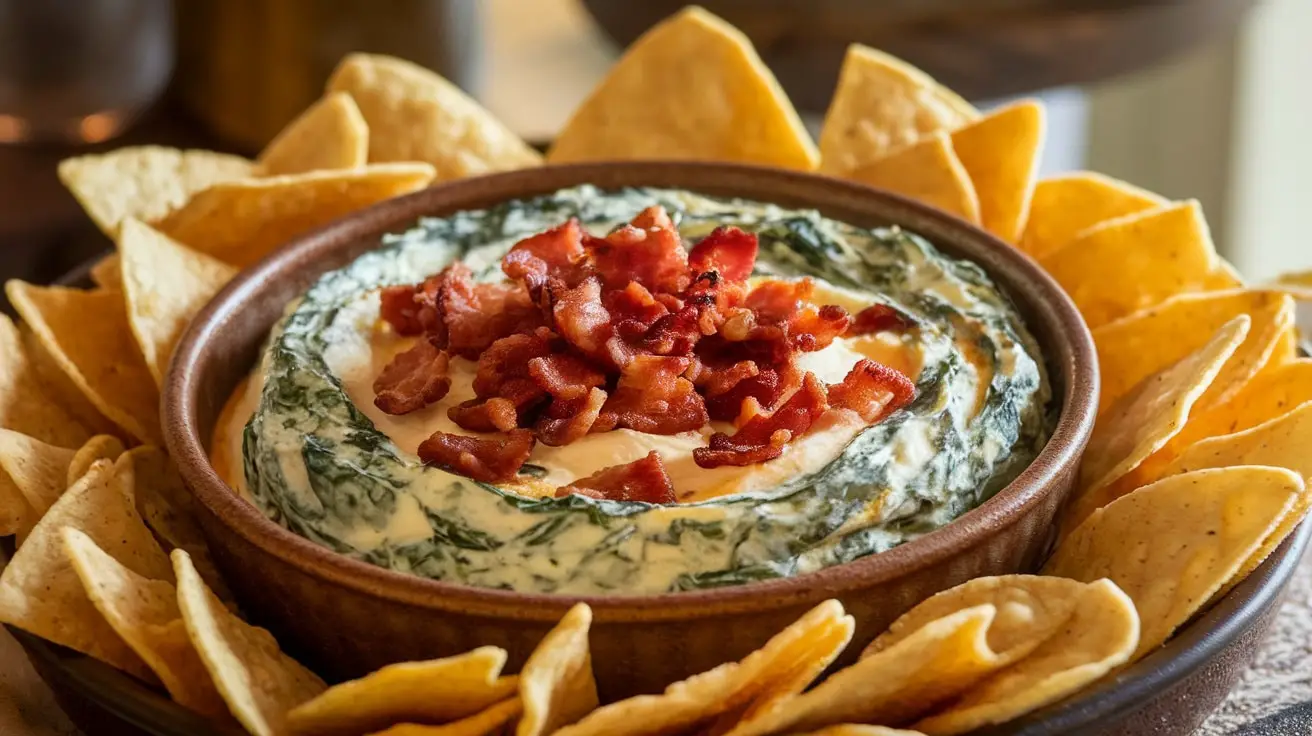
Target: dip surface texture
317,457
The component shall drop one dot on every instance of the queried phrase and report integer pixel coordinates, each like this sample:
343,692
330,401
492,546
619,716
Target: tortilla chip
39,471
1029,608
1121,266
1098,636
1001,152
1146,418
1295,278
106,273
1271,393
1135,347
166,285
929,172
860,729
26,405
434,692
692,87
1067,204
259,683
87,334
1224,277
1172,544
881,105
144,612
932,665
40,592
60,388
16,515
764,676
1282,442
416,115
240,222
556,684
486,723
100,447
145,182
330,134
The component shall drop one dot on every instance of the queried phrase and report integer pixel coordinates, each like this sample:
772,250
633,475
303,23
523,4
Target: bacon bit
555,254
814,329
397,306
653,397
674,334
582,319
728,251
634,309
485,415
872,390
566,421
642,481
715,381
777,300
767,387
507,359
877,318
412,379
478,316
564,376
764,436
490,459
653,218
648,251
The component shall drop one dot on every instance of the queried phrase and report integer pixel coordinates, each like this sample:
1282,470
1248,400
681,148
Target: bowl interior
223,344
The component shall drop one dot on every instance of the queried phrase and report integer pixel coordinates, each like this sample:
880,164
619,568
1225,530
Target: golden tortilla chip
330,134
1276,390
1065,205
556,685
881,105
931,666
1098,636
1172,544
145,182
1121,266
1145,419
144,612
25,403
16,516
38,471
106,273
240,222
166,285
40,592
1224,277
1283,442
1001,152
259,683
100,447
87,334
1135,347
60,388
1295,278
928,171
494,720
416,115
435,692
766,676
692,87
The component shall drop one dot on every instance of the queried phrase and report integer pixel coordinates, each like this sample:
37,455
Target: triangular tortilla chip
1001,152
40,592
692,87
106,273
493,721
330,134
25,404
556,685
87,334
881,105
1120,266
101,447
1067,204
165,285
416,115
1172,544
1224,277
144,613
16,515
240,222
1273,392
38,470
928,171
144,182
259,683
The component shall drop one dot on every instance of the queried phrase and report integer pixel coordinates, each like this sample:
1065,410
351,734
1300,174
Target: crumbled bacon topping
628,331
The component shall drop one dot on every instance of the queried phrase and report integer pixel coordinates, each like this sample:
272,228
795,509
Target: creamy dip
317,456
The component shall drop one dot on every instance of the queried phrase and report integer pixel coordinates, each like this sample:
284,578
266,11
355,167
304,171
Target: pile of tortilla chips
1197,469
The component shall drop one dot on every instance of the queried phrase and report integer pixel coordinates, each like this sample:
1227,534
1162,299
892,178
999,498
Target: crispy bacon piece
412,380
652,396
777,300
674,334
728,251
814,329
717,380
582,319
872,390
564,376
877,318
643,481
763,437
398,307
507,360
773,381
648,251
489,459
485,415
476,315
555,254
634,309
564,422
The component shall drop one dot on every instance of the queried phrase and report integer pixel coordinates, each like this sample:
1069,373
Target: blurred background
1191,98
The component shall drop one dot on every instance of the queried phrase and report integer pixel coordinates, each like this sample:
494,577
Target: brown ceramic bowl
346,617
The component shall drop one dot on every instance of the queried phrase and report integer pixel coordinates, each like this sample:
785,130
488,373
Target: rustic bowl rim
1072,354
